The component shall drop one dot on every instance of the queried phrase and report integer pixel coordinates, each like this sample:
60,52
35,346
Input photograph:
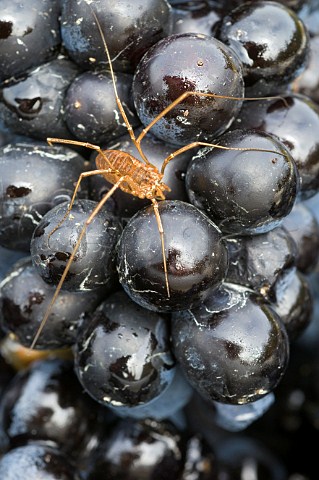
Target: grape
144,450
45,402
182,63
29,35
130,30
270,40
294,303
195,254
294,120
123,357
251,265
232,348
90,107
155,448
33,105
93,265
34,177
244,192
24,298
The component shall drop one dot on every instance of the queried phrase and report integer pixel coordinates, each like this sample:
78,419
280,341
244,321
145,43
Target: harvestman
138,178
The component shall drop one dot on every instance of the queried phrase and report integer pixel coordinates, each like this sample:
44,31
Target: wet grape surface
270,40
197,257
182,63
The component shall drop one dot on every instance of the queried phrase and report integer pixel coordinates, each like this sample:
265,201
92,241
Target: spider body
142,180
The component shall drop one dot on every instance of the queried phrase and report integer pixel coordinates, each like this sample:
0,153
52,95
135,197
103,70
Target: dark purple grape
92,266
139,451
195,255
294,120
270,40
302,225
244,192
45,402
33,105
37,461
129,29
152,450
91,112
24,298
34,178
125,205
232,348
259,262
123,357
29,35
188,63
294,303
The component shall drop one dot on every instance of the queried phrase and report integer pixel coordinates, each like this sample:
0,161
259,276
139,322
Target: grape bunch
159,238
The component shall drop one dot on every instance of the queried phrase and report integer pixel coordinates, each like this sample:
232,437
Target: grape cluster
173,327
